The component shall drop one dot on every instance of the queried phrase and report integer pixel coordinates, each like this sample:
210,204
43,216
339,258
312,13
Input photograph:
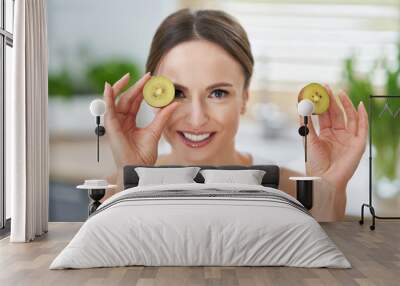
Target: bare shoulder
246,159
286,172
163,159
285,184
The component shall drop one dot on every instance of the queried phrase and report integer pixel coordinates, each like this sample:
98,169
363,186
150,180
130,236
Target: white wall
103,27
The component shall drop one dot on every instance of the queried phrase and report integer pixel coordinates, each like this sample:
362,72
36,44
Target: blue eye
179,93
219,93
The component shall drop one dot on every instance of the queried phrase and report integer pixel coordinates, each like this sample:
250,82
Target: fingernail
105,85
127,74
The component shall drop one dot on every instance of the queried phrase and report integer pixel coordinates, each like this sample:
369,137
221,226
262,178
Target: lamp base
304,190
95,196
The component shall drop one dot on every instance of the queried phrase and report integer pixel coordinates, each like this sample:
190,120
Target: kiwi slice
318,95
159,91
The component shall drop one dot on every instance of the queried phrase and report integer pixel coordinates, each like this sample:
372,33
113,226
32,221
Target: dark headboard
270,179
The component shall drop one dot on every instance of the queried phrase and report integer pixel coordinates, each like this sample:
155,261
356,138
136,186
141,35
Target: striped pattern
205,194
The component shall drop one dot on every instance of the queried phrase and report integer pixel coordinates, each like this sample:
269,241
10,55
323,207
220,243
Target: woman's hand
129,143
335,153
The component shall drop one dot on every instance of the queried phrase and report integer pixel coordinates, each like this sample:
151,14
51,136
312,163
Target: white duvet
190,230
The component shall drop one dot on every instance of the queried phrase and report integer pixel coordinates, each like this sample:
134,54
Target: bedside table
304,190
96,191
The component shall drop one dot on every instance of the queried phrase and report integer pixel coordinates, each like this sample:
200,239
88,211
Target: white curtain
26,124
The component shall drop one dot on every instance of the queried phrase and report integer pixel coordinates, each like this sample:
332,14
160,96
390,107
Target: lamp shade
305,107
97,107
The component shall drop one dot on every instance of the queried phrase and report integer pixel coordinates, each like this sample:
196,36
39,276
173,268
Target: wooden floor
374,255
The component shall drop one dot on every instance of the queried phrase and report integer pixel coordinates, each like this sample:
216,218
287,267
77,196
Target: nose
198,115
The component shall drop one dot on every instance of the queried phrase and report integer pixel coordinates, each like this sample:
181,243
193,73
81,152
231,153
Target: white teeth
196,138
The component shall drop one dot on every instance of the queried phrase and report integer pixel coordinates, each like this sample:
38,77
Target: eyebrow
218,84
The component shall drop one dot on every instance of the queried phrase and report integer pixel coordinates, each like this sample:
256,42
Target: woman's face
209,84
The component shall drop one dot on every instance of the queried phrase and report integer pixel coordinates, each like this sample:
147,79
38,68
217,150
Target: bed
201,224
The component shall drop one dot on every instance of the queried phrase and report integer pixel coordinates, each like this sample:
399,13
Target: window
298,41
6,43
295,42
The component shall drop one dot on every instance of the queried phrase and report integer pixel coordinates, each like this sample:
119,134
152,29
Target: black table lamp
304,185
97,109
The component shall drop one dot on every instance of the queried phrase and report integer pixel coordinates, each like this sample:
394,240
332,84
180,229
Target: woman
208,57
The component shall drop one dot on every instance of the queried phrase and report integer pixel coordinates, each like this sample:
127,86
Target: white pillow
162,176
248,177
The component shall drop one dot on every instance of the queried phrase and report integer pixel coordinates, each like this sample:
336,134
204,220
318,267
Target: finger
120,84
131,120
161,119
334,111
324,121
312,134
109,100
351,113
362,131
110,117
136,105
128,96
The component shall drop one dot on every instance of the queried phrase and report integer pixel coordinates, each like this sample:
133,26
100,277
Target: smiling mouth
196,140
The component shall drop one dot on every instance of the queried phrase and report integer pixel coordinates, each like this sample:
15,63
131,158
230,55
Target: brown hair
212,25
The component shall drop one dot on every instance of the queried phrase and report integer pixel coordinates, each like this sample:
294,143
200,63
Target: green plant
386,134
61,84
110,70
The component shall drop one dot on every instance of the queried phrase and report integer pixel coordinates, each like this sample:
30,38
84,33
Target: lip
198,144
195,133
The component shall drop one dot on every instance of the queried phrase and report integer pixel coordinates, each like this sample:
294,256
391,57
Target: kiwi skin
318,94
159,91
